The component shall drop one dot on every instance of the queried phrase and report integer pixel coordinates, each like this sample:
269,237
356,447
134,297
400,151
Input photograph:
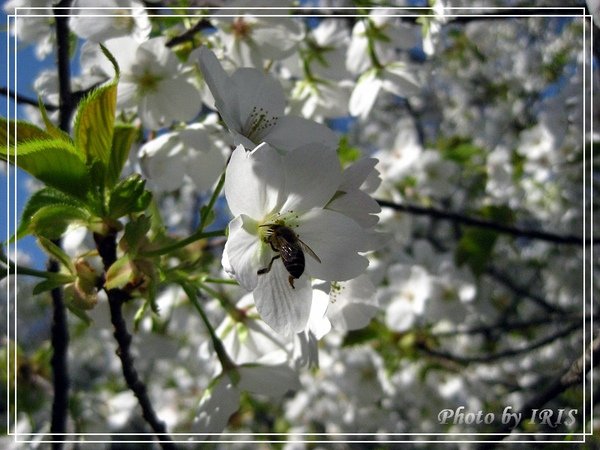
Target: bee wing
309,250
286,250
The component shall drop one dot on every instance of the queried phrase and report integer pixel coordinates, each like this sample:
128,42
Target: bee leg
291,280
268,268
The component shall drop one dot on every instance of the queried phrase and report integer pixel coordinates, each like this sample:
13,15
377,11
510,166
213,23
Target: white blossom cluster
333,314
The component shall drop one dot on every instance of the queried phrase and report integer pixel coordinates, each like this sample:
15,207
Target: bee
288,246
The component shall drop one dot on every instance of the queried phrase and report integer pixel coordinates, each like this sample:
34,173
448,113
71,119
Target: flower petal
273,381
217,405
336,240
283,308
244,252
313,174
257,91
353,304
291,132
254,181
221,87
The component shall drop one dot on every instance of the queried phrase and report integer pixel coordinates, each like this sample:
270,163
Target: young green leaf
44,197
57,280
129,196
121,272
94,124
123,138
58,253
18,131
54,162
52,129
52,221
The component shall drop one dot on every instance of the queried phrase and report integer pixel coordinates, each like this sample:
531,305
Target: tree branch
482,223
60,330
107,248
491,357
571,377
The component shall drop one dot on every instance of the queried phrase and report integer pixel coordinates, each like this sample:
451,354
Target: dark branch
482,223
107,248
24,99
571,377
522,291
492,357
60,330
189,34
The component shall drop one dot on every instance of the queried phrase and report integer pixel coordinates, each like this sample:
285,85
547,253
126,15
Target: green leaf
58,253
23,132
129,196
120,273
123,138
52,221
44,197
135,232
52,129
54,162
53,282
94,124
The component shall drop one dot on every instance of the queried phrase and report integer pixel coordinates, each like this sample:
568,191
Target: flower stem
182,243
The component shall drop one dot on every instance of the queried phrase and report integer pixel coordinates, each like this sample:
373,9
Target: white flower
252,105
352,304
352,197
222,398
129,17
192,152
249,40
396,78
154,82
409,290
263,188
380,23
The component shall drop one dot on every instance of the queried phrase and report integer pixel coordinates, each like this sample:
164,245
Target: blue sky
28,68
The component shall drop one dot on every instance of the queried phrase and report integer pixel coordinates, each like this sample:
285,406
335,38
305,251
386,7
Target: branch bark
60,330
107,248
482,223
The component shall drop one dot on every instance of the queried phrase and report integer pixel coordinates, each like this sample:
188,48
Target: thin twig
482,223
107,249
522,291
189,34
492,357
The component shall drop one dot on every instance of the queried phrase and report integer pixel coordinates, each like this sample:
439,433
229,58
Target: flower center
147,82
258,124
288,219
240,28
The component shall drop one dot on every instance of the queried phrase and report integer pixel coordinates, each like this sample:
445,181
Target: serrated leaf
129,196
44,197
123,138
94,123
17,131
54,162
52,221
112,60
52,129
58,253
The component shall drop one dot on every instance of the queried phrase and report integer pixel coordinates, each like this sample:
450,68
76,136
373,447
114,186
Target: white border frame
11,346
